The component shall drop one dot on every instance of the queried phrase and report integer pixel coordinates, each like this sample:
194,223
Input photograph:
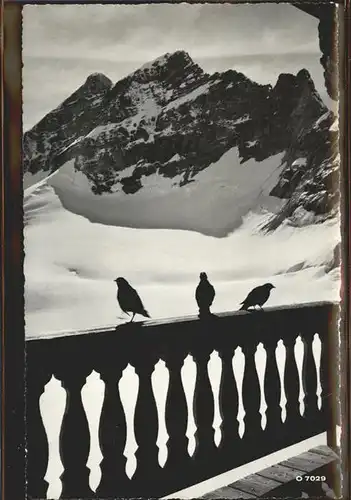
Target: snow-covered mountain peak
167,66
159,82
169,121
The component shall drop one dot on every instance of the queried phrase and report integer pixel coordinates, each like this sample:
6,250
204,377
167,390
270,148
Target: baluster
112,435
309,378
291,384
146,429
228,402
324,378
74,437
36,438
251,395
328,382
203,407
176,416
272,388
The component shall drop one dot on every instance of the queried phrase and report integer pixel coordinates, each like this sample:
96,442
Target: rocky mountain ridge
171,119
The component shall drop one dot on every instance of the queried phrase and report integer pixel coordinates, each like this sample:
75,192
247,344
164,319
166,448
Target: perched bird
129,300
205,293
257,297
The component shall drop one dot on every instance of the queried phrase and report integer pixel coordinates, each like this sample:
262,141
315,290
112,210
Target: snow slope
214,203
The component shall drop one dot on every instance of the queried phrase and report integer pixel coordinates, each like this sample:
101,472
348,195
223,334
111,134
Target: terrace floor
306,475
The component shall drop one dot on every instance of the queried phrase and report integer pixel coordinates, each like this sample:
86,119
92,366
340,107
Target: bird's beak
273,286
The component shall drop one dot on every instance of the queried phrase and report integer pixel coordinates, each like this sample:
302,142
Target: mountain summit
169,126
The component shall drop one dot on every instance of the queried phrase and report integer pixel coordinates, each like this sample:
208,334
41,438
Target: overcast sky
63,44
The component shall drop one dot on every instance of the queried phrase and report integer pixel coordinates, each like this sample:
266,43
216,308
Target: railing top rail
184,320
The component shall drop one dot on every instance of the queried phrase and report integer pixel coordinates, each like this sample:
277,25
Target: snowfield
71,263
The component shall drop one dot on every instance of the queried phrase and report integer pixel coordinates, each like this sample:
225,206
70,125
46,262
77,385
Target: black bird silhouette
257,297
129,300
205,293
